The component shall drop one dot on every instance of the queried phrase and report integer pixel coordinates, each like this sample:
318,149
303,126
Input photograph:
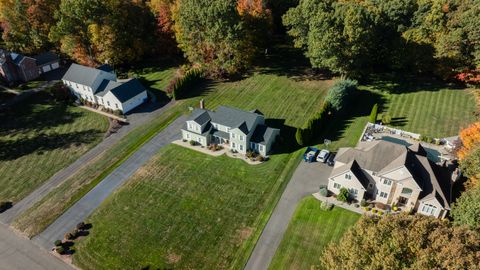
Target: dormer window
387,182
190,126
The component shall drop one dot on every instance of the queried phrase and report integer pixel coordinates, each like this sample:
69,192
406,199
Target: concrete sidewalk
86,205
306,180
20,254
135,119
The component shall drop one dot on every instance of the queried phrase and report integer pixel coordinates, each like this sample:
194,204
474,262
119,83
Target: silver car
323,156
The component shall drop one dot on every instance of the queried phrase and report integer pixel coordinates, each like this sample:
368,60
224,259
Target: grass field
184,209
309,232
38,139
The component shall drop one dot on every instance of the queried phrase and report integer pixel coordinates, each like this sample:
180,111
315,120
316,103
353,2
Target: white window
199,140
387,182
383,194
233,145
188,135
353,191
260,147
337,186
190,126
241,138
348,176
233,136
429,209
108,103
241,147
116,105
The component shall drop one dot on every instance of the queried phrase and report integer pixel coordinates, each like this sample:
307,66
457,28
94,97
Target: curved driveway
305,180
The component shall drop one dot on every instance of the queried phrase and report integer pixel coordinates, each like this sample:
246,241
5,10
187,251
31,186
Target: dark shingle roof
81,74
106,68
262,134
126,90
45,58
232,117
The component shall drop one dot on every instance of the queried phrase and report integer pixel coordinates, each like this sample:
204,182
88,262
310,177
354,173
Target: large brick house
16,68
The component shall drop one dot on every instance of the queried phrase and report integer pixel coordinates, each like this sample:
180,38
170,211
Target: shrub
386,119
323,191
374,211
380,213
58,243
363,203
193,143
261,158
367,208
374,113
60,250
80,226
341,93
69,236
343,195
326,206
314,125
356,205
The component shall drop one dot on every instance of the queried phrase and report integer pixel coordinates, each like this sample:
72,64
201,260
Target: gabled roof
81,74
200,116
262,134
106,68
235,118
45,58
126,90
353,167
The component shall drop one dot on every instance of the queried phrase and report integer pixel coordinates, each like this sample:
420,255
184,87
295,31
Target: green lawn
309,232
185,210
29,85
39,138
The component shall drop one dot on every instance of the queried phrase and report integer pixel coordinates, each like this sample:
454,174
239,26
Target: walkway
20,254
139,117
305,180
86,205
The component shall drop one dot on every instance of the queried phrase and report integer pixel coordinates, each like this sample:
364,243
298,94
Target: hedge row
314,125
177,87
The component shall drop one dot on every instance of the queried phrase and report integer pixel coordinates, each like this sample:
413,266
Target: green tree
343,195
374,113
470,166
341,93
211,34
466,210
404,242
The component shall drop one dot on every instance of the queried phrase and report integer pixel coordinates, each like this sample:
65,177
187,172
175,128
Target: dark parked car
331,159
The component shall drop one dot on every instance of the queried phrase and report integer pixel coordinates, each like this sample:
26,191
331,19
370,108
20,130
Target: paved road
305,180
137,118
86,205
21,254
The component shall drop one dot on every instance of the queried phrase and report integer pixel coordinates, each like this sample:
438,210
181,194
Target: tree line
349,37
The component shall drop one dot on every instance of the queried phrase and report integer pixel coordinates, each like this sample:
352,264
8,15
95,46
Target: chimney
202,104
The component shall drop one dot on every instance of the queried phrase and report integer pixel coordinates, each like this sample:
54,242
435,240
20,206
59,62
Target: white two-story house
236,129
100,86
391,173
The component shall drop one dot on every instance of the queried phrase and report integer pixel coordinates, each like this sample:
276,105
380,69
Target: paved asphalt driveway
86,205
305,180
21,254
140,116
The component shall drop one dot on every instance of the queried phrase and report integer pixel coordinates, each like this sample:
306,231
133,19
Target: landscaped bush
341,93
323,191
193,143
314,125
373,114
367,208
374,210
380,213
343,195
262,158
69,236
386,119
58,243
326,206
363,203
60,250
426,139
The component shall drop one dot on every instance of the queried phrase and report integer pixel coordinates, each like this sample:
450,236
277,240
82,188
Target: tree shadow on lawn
285,143
10,150
360,106
159,93
398,83
27,116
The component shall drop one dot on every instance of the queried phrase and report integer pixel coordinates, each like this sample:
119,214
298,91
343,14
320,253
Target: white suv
323,156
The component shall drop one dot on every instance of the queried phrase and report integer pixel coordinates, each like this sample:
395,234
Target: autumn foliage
470,138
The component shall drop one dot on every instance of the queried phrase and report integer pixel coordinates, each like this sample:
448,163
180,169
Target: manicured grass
44,212
184,209
309,232
29,85
39,138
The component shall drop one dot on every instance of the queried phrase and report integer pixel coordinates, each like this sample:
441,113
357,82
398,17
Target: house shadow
285,142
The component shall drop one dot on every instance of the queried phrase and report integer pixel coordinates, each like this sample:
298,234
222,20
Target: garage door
46,68
55,65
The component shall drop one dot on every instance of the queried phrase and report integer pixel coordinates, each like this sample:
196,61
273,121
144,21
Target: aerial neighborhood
240,134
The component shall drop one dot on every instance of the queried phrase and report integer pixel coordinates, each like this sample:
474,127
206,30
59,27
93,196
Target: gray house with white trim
393,174
236,129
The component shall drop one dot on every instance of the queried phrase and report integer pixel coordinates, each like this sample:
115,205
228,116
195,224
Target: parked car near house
331,159
323,156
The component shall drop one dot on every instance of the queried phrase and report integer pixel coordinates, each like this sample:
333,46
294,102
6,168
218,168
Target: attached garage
47,62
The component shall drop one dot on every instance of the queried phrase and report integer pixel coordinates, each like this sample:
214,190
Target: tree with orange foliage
470,138
165,33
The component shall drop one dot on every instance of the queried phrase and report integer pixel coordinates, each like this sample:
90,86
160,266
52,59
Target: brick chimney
202,104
